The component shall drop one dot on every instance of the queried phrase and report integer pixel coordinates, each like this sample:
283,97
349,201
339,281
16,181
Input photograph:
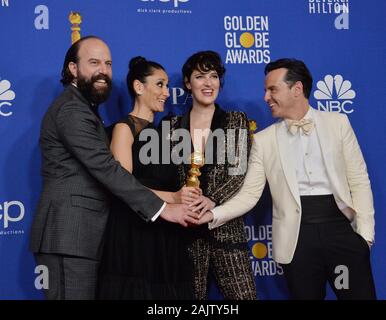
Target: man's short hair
296,71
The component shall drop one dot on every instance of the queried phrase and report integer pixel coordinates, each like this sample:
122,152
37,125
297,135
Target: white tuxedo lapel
287,159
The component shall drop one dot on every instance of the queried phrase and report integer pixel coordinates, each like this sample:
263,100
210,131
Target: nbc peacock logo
6,95
335,94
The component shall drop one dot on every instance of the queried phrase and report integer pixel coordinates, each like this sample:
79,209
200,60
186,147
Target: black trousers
330,251
69,278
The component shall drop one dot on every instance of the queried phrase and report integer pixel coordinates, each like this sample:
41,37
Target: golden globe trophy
75,19
197,161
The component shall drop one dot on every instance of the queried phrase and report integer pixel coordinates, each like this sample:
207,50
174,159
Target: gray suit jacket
79,172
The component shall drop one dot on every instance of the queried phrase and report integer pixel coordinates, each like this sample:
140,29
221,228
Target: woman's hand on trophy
188,195
202,204
205,217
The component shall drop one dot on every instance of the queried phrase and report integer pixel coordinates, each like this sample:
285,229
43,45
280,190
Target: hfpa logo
178,96
176,2
6,95
334,94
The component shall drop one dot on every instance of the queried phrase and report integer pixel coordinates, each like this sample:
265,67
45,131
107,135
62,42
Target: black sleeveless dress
144,260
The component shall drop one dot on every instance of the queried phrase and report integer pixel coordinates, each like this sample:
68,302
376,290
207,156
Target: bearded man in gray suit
79,172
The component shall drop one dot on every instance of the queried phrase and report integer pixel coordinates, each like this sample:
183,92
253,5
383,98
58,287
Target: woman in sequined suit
223,250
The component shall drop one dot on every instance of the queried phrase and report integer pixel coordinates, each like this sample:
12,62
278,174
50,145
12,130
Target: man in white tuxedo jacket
323,214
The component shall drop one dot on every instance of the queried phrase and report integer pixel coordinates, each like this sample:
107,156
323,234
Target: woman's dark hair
72,56
203,61
140,69
296,71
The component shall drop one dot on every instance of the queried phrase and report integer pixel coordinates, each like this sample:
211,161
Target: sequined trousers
225,251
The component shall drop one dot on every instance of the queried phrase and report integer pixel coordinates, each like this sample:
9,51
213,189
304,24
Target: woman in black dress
144,260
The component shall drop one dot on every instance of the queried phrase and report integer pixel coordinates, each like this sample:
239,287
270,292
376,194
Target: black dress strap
135,124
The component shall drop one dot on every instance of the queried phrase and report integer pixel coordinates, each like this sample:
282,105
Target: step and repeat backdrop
341,41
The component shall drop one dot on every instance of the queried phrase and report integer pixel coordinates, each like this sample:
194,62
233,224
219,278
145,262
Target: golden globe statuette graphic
75,19
197,161
247,40
252,127
259,250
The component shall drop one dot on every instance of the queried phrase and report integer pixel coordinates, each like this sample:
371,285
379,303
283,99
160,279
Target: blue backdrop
342,42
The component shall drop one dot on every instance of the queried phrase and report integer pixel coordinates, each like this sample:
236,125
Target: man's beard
92,94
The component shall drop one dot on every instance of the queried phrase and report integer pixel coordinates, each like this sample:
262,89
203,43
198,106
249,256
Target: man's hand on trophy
202,204
179,213
188,195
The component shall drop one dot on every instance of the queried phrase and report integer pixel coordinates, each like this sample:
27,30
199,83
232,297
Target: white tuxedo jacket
272,160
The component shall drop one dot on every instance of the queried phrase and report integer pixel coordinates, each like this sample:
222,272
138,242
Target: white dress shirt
311,172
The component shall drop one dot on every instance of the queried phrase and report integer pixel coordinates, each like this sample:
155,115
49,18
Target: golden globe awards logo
6,96
247,39
262,262
334,94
